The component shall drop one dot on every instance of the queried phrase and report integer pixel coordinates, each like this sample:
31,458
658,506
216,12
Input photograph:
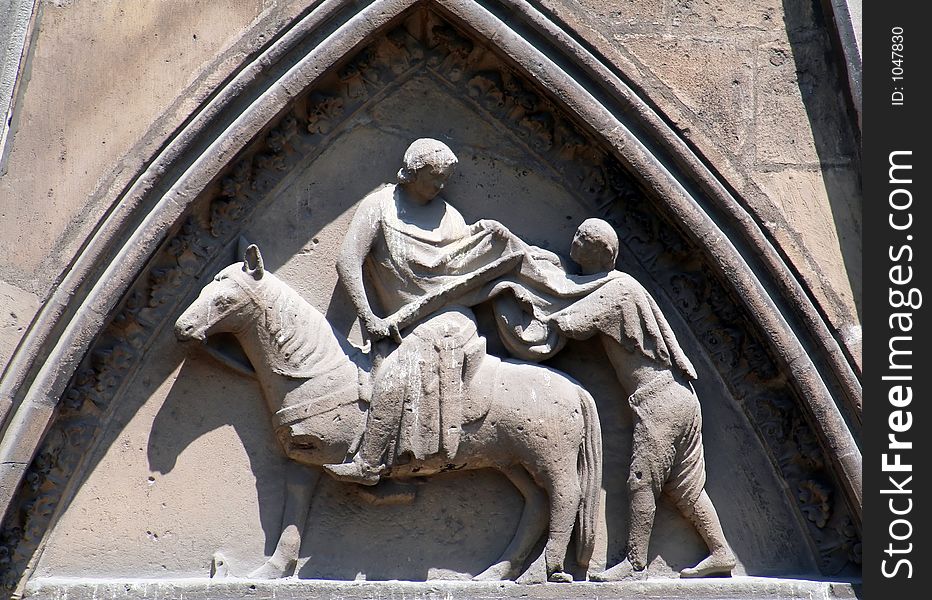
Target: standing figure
667,453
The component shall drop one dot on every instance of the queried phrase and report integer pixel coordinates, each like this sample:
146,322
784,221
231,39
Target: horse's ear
252,261
241,246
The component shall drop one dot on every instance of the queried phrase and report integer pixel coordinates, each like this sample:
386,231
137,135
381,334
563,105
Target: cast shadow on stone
822,83
183,418
348,538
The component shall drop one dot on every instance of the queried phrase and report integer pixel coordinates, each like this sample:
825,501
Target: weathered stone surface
721,589
18,308
98,78
711,76
799,119
693,60
823,210
303,226
707,65
623,15
707,15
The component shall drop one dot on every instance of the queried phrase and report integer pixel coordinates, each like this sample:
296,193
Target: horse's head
227,303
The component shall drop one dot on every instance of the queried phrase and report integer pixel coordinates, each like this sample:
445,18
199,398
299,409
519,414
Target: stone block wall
757,87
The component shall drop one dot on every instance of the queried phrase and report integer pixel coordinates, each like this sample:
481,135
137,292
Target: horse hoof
623,570
499,572
561,577
271,570
218,566
535,573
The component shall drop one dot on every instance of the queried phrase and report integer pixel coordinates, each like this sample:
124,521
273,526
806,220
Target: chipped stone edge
847,17
699,589
14,35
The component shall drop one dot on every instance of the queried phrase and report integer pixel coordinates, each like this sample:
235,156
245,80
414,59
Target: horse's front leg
299,487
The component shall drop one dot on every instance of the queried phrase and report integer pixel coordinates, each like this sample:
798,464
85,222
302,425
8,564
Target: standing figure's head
428,165
595,247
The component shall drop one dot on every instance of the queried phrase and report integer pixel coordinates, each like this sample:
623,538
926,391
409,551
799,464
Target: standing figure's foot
719,563
353,472
623,570
560,577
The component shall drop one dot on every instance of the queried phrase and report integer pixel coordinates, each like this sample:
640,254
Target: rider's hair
426,152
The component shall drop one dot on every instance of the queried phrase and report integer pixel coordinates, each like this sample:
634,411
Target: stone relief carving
317,385
432,376
499,93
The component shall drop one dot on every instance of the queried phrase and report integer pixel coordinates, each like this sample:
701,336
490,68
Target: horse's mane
303,340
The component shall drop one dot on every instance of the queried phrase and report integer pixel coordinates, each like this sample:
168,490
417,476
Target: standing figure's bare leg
643,507
721,559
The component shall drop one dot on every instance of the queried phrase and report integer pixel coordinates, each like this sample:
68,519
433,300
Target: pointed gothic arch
787,373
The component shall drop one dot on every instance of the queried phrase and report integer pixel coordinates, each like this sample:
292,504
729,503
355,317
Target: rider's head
427,166
595,246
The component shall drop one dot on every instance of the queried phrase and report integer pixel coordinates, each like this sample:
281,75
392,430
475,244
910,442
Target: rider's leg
388,394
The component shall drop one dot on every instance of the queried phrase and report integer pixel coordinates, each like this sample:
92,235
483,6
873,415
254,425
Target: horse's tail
589,468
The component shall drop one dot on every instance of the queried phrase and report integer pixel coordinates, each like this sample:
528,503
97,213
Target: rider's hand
377,327
492,226
542,254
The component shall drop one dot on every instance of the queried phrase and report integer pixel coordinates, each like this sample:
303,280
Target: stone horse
537,426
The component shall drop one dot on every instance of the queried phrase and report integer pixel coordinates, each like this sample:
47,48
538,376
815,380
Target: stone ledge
55,588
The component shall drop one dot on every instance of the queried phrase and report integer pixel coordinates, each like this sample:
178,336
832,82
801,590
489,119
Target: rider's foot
353,472
719,563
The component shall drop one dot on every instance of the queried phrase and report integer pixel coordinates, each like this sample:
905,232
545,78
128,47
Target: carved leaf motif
815,498
773,412
539,128
323,111
355,74
393,52
487,88
279,137
223,214
450,54
571,145
684,291
235,184
759,362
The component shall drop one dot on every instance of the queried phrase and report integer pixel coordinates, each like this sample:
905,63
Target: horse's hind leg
565,494
299,487
530,527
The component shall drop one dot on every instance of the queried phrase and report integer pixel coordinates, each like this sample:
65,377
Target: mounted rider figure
418,256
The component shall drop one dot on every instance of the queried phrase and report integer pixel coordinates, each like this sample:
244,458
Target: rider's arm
503,232
359,239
